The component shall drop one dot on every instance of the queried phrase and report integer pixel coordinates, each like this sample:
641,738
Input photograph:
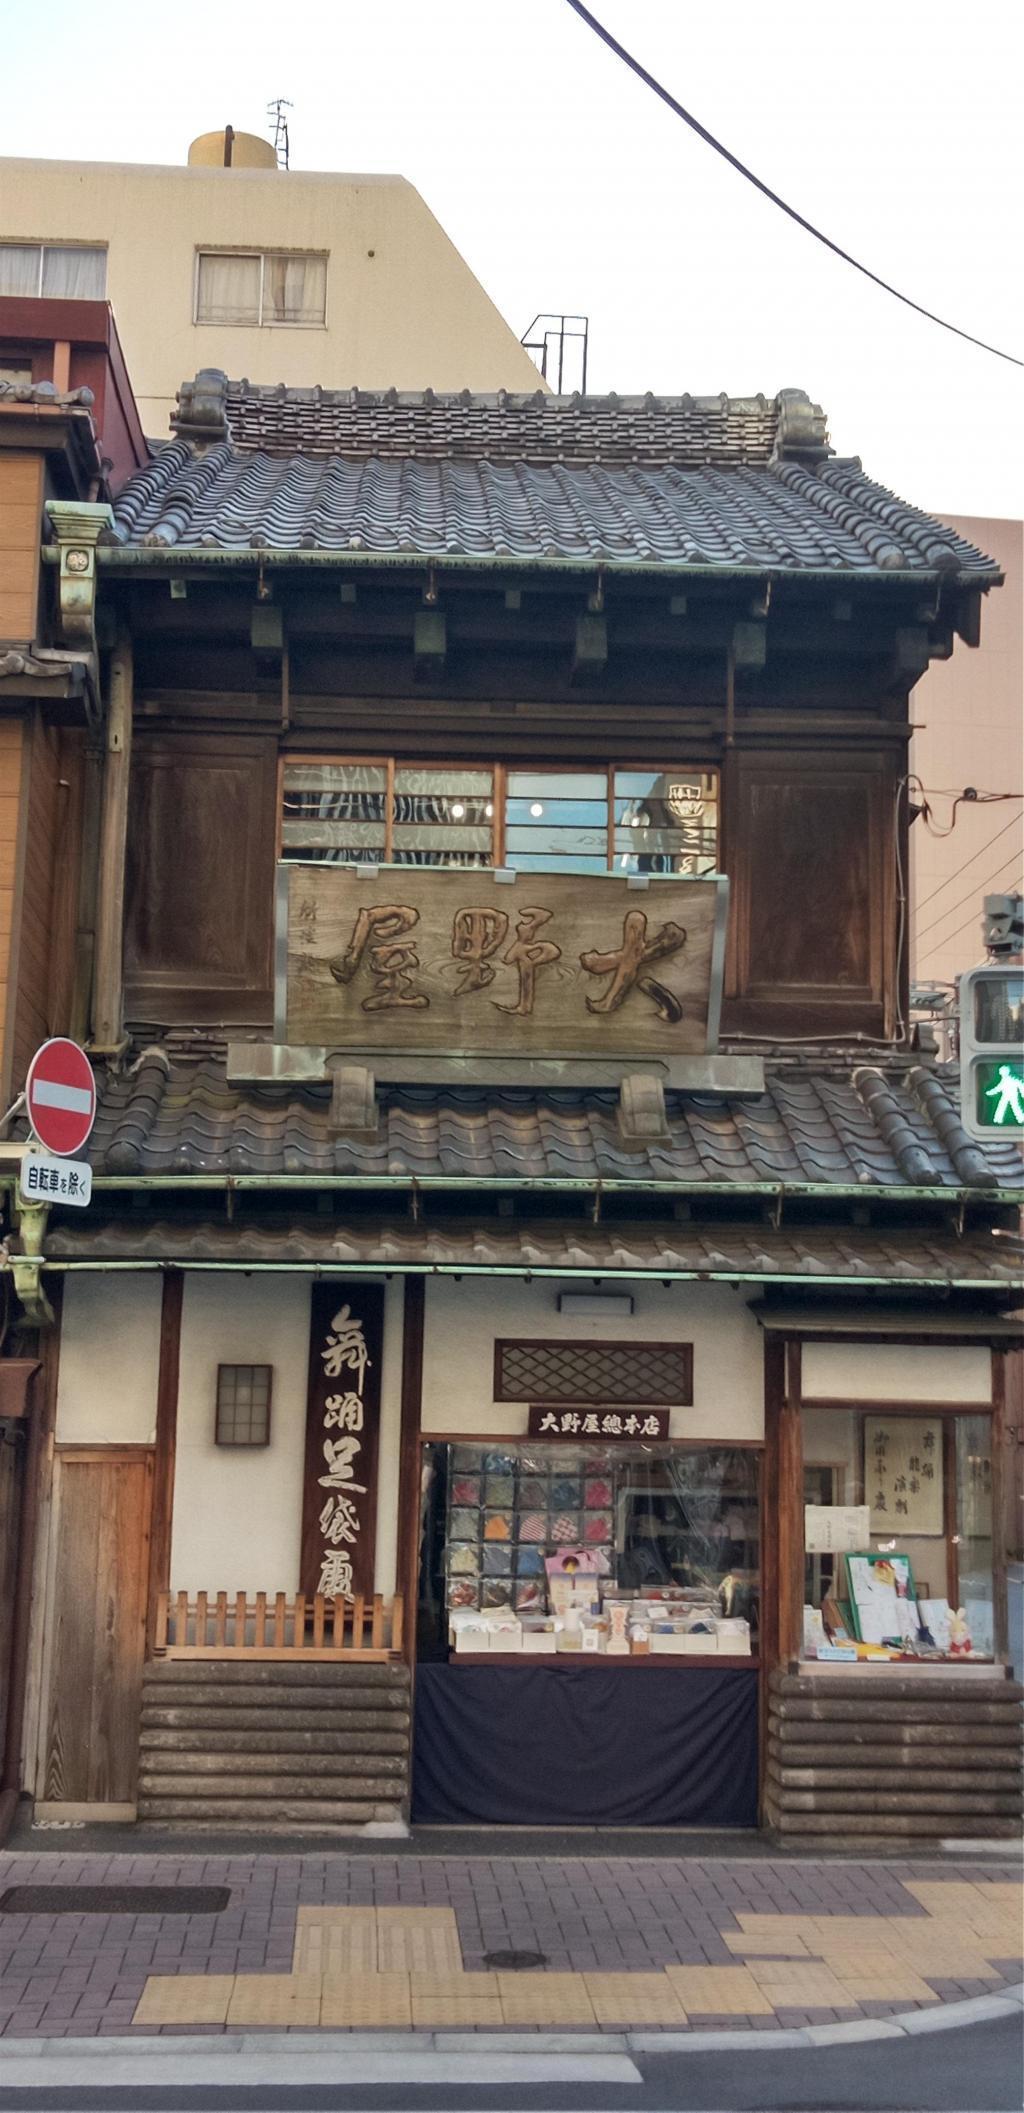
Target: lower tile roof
783,516
869,1126
730,1253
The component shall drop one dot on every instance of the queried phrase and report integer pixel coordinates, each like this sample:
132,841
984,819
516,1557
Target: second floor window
599,820
64,271
261,287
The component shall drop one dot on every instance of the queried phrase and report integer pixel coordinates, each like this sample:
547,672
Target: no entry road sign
60,1093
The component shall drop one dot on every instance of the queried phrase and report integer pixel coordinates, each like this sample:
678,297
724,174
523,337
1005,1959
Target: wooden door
99,1570
12,1477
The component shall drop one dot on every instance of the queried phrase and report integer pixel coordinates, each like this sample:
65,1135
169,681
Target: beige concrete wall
859,1372
969,715
463,1318
238,1513
403,307
109,1358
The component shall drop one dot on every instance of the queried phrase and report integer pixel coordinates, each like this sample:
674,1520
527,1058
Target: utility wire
766,190
1010,860
1015,823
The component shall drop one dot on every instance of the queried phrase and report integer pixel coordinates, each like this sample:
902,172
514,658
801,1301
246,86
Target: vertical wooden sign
339,1496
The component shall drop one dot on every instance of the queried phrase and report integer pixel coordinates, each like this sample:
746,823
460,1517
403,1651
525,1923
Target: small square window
243,1404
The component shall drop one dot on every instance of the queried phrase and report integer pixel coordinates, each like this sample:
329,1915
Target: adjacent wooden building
515,1188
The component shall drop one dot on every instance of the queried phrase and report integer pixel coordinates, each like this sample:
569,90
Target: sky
892,124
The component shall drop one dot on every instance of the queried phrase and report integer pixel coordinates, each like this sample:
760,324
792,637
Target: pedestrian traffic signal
992,1052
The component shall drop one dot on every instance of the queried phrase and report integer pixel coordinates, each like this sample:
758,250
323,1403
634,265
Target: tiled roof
689,482
177,1114
855,1256
508,428
46,395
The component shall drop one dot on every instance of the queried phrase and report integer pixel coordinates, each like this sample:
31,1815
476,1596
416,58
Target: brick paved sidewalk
355,1941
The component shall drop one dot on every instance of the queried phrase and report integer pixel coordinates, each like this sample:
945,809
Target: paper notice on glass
835,1529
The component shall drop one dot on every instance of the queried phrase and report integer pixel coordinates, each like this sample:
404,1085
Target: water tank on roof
229,149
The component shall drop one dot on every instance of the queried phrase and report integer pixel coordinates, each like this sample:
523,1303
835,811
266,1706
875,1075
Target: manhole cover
114,1900
514,1962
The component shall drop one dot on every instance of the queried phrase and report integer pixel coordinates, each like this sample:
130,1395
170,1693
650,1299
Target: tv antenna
276,113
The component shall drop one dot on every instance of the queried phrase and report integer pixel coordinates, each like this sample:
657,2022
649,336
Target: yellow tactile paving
366,1999
800,1985
903,1986
275,1999
455,1999
185,1999
429,1949
335,1948
427,1918
312,1917
729,1991
451,2011
634,1999
858,1928
752,1944
950,1896
545,1999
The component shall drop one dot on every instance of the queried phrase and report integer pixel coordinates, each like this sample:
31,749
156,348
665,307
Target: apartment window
606,819
64,271
269,288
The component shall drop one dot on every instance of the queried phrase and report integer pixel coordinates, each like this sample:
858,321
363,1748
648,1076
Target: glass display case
676,1525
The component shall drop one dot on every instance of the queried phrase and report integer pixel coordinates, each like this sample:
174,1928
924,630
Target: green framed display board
882,1596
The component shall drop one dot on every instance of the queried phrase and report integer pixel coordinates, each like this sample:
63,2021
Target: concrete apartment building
970,733
273,273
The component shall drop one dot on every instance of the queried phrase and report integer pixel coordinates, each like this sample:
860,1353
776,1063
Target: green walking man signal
992,1050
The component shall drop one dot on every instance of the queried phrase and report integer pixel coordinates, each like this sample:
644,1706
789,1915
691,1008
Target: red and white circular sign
60,1093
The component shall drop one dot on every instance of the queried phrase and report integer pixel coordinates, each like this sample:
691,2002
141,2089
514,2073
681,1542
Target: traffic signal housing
992,1051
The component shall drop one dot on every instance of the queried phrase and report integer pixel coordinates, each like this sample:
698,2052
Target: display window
614,1550
898,1534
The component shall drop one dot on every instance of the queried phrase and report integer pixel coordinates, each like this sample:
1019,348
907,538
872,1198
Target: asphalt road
977,2069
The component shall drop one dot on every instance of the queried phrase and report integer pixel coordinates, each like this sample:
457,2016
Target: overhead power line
709,139
954,906
1015,823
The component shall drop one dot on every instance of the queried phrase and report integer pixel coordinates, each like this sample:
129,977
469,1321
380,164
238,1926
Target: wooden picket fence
277,1625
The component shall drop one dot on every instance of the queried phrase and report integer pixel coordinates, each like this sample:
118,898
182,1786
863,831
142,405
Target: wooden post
1003,1448
109,993
790,1515
166,1448
408,1580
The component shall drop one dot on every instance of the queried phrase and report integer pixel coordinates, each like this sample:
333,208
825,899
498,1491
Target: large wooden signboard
434,960
339,1497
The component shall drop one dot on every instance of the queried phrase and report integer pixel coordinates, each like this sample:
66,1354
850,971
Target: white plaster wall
895,1372
109,1358
463,1318
238,1513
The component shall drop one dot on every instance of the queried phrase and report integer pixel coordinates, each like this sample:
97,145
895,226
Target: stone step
271,1720
273,1672
158,1739
1007,1780
256,1790
276,1812
200,1761
243,1694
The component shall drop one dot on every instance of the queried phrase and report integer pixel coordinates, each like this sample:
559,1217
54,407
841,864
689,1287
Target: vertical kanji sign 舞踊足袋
339,1497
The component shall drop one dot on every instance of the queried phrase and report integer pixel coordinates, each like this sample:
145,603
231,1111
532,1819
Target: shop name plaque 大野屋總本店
528,964
597,1423
339,1505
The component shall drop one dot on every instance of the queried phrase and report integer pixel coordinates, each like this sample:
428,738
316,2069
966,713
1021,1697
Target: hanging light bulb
458,811
536,809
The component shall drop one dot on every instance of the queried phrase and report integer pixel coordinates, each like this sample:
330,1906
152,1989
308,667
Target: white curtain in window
75,274
19,267
229,289
294,289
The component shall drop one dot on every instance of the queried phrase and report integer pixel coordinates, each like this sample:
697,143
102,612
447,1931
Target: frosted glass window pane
557,785
229,289
19,268
294,290
75,274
